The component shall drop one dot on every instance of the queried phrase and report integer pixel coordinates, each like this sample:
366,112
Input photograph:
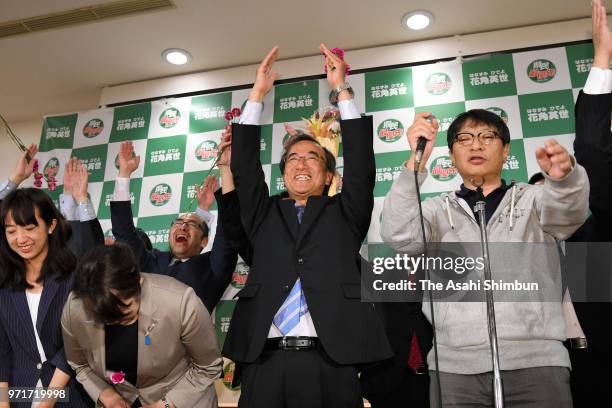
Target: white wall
29,131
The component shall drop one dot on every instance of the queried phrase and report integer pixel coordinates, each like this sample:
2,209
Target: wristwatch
333,95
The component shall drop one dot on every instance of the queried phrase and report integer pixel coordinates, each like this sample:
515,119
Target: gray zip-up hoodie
530,333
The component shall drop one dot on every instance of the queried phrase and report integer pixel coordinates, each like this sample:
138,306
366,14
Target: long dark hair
60,261
104,268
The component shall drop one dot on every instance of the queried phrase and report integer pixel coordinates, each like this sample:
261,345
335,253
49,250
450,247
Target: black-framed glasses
179,223
309,158
485,137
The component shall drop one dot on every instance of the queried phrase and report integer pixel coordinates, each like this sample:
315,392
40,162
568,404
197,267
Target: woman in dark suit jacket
38,276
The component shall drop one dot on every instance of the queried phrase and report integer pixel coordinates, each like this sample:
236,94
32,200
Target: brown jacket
181,362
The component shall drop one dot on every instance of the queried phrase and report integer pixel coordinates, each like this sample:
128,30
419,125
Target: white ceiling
63,70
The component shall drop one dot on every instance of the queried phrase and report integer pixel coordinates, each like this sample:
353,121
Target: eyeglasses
485,137
310,158
179,223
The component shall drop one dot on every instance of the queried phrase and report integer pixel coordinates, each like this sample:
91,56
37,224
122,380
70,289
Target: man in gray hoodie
534,363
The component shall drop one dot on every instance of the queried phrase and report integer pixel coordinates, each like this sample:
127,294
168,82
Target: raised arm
593,142
121,209
562,204
23,169
400,227
246,138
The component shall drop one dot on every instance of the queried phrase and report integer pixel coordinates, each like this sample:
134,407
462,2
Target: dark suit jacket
323,251
593,150
19,357
208,273
400,320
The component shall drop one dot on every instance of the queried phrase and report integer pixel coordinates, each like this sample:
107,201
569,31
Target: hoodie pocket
462,324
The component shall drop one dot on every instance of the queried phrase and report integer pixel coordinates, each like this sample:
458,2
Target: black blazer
19,356
593,150
323,251
400,320
208,273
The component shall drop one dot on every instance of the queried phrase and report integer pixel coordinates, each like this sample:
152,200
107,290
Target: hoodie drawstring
448,213
512,207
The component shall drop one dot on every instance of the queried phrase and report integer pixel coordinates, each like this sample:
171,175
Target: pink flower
117,377
51,186
229,116
35,168
38,183
339,52
236,112
38,176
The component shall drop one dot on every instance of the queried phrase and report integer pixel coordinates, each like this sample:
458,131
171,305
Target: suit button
300,261
38,366
286,288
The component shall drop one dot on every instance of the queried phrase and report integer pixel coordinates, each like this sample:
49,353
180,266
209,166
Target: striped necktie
294,307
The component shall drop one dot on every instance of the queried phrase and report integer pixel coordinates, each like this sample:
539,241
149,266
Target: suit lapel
23,320
49,290
95,337
287,209
314,206
148,321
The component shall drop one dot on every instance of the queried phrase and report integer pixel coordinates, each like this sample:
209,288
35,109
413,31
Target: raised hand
422,127
554,160
602,40
81,181
226,147
24,168
336,68
206,194
69,176
127,163
265,77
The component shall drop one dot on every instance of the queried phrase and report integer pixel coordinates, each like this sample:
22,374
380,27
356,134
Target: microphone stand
498,388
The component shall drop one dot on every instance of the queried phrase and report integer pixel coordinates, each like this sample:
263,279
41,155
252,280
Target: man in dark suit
300,331
593,150
208,273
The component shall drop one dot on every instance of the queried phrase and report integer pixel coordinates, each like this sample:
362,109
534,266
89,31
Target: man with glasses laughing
207,273
534,363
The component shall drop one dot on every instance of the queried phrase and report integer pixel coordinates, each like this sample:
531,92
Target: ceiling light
176,56
417,20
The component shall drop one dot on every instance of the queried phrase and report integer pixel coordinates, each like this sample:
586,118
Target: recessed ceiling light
417,20
176,56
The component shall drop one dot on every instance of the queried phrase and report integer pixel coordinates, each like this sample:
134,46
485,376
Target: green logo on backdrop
438,83
240,275
547,113
515,168
169,118
442,169
388,89
51,168
499,112
93,128
541,70
160,194
207,151
390,130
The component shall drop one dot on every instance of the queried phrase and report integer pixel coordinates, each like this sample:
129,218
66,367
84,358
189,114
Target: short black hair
478,116
536,177
330,160
60,261
101,269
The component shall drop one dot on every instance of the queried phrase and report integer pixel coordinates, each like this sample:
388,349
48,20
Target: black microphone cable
417,164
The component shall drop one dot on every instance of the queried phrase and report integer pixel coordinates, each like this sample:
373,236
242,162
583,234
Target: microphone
420,148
